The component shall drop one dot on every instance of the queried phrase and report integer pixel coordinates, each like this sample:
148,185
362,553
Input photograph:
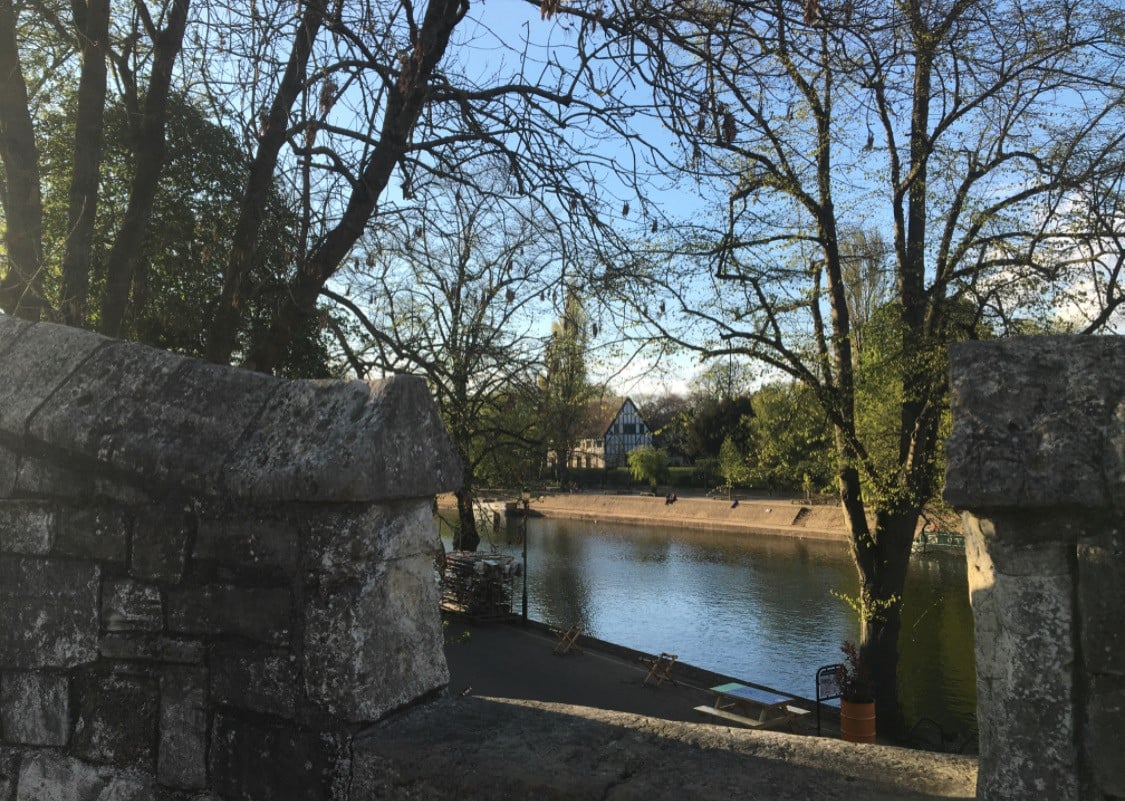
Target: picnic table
751,707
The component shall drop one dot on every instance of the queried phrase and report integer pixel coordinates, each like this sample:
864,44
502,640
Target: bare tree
936,120
357,113
453,296
375,125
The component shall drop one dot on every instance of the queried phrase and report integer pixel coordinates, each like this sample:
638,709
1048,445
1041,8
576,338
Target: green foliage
866,607
790,441
649,464
732,463
668,416
713,420
180,273
565,389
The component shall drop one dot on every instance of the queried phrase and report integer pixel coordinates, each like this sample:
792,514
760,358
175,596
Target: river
761,608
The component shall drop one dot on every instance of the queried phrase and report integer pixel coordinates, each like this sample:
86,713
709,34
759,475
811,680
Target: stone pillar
1036,463
210,579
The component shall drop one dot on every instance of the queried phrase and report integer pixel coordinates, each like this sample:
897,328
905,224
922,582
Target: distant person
671,498
734,504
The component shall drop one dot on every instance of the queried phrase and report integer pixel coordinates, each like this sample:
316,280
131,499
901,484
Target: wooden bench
752,723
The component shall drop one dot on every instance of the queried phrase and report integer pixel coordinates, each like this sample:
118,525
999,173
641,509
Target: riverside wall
1036,461
780,517
210,579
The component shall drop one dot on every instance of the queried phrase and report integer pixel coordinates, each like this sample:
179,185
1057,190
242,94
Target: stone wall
1037,461
210,579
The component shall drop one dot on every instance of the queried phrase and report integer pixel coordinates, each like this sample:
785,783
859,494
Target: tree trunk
92,26
882,574
405,101
21,289
149,147
466,537
222,336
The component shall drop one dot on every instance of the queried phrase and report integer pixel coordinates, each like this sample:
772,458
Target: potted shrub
857,697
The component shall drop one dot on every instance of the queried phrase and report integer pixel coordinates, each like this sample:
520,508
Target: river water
756,607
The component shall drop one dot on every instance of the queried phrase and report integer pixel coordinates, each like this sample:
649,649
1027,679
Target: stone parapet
1036,461
210,579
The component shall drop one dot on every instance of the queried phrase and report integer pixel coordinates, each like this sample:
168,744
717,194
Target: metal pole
526,500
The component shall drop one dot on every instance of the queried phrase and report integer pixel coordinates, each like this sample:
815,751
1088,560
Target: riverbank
779,517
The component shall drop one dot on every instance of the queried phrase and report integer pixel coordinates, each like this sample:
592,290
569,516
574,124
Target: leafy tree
565,389
985,138
143,47
358,114
649,464
667,416
790,439
177,275
732,463
714,420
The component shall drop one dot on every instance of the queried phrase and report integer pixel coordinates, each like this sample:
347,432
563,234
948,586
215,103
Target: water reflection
755,607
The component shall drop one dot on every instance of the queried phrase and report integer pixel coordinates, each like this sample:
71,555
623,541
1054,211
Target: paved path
524,724
511,661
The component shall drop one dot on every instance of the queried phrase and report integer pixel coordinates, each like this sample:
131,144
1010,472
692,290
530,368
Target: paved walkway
531,726
516,662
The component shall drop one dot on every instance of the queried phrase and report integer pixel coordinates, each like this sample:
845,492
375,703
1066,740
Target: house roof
600,415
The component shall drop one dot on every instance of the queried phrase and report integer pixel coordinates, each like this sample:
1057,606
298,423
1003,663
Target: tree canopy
983,140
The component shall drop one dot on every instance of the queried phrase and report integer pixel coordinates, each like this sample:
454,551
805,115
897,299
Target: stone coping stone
558,751
165,420
1038,422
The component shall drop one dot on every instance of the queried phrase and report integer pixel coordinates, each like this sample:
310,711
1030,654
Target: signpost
827,688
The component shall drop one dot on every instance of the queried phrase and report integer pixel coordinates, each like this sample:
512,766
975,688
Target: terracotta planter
857,721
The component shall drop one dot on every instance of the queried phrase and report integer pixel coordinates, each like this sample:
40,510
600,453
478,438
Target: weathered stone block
26,527
43,359
1036,423
11,329
117,719
255,762
252,549
345,441
160,543
1024,656
131,606
343,544
151,648
50,776
1105,709
9,469
78,480
48,613
9,772
372,639
153,414
1101,600
34,708
182,762
251,612
93,532
258,679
